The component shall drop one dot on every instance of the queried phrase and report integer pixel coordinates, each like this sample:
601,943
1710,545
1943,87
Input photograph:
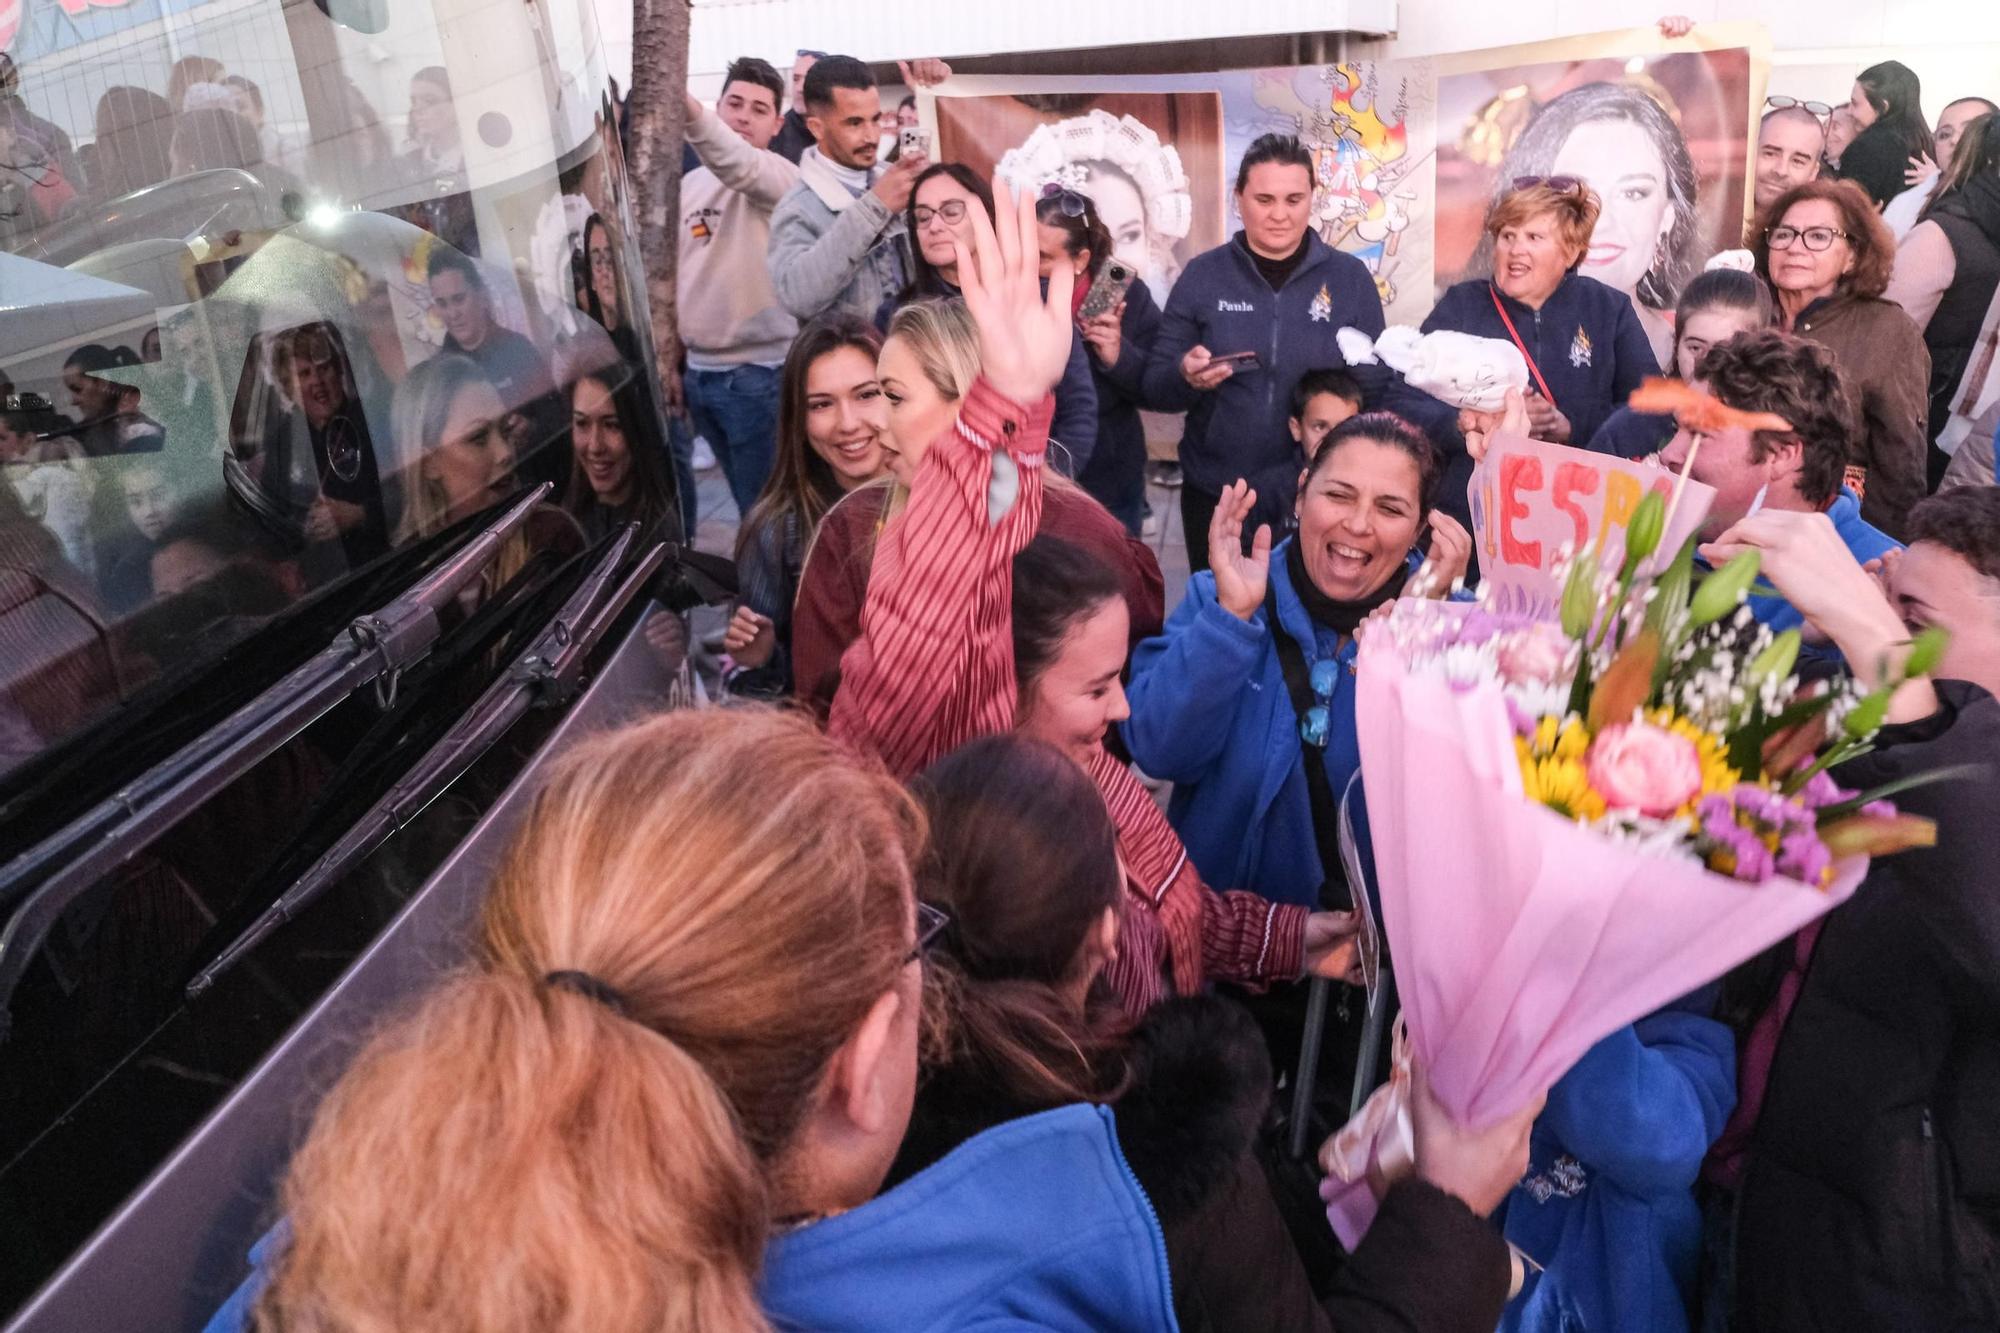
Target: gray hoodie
830,249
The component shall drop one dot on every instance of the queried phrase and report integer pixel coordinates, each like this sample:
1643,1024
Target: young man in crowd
837,239
1320,401
1790,142
517,368
1768,371
793,137
732,324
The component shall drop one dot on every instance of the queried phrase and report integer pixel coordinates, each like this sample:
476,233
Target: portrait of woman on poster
1626,147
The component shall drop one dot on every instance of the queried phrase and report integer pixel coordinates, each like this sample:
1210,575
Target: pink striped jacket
934,668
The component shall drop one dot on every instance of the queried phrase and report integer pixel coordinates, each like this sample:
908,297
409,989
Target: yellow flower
1562,738
1561,784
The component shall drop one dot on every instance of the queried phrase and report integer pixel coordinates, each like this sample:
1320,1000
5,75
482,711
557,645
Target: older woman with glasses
1828,255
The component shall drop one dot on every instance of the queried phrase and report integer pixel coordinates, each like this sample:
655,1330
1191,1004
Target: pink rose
1638,766
1535,656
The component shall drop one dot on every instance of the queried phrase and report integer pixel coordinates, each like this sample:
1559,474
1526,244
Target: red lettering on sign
1574,479
75,7
1518,473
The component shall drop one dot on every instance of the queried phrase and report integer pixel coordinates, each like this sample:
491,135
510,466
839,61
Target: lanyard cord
1516,336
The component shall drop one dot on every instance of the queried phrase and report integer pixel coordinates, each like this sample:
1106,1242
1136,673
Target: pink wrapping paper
1520,939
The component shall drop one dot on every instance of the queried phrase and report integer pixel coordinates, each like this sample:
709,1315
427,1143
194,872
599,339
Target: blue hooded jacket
1864,541
1239,428
1607,1207
1035,1224
1211,714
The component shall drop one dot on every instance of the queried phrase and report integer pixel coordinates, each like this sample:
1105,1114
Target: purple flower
1879,809
1803,856
1821,790
1760,803
1752,859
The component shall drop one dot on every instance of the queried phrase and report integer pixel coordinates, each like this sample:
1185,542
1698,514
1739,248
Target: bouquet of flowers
1578,821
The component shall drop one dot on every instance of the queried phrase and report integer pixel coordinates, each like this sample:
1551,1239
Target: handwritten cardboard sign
1532,501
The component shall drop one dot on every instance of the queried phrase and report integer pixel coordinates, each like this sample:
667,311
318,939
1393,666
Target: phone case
1113,281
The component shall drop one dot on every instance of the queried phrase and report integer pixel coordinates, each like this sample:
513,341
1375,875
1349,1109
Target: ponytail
582,1172
721,897
1025,901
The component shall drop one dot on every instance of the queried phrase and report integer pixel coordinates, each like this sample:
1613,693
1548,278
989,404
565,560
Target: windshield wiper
39,885
546,675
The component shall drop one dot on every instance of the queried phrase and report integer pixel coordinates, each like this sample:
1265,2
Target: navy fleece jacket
1238,429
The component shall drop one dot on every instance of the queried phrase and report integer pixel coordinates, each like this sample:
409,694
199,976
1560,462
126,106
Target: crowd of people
912,1005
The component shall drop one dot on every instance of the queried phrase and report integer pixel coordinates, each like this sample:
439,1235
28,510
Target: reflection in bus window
108,417
318,463
621,472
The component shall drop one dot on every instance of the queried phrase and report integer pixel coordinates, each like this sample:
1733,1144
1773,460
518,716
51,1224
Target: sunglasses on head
931,923
816,55
1071,203
1560,184
1779,102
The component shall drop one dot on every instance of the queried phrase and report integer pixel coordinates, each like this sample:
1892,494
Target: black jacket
1187,1123
1878,161
1116,472
1872,1199
1970,221
793,138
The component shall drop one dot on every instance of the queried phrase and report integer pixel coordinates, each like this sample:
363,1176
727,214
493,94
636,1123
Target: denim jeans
736,411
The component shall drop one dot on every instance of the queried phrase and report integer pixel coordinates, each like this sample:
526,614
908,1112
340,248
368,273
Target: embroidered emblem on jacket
1322,306
1579,348
1565,1179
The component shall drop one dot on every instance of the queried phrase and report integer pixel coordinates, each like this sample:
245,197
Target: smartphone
1240,360
1112,282
911,139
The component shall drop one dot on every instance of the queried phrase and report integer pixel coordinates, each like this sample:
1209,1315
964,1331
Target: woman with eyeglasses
1886,106
1282,620
1828,257
939,213
1118,342
1585,348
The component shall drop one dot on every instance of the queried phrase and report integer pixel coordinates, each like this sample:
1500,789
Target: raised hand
895,185
1024,337
1451,554
1921,169
1478,427
1106,335
926,73
1240,580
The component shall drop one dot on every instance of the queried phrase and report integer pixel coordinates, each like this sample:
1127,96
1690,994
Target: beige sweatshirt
729,314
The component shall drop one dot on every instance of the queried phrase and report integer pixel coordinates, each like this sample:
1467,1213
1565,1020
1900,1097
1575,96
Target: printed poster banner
1156,153
1409,154
1535,503
1660,130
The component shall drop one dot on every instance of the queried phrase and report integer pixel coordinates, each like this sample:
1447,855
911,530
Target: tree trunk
657,111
